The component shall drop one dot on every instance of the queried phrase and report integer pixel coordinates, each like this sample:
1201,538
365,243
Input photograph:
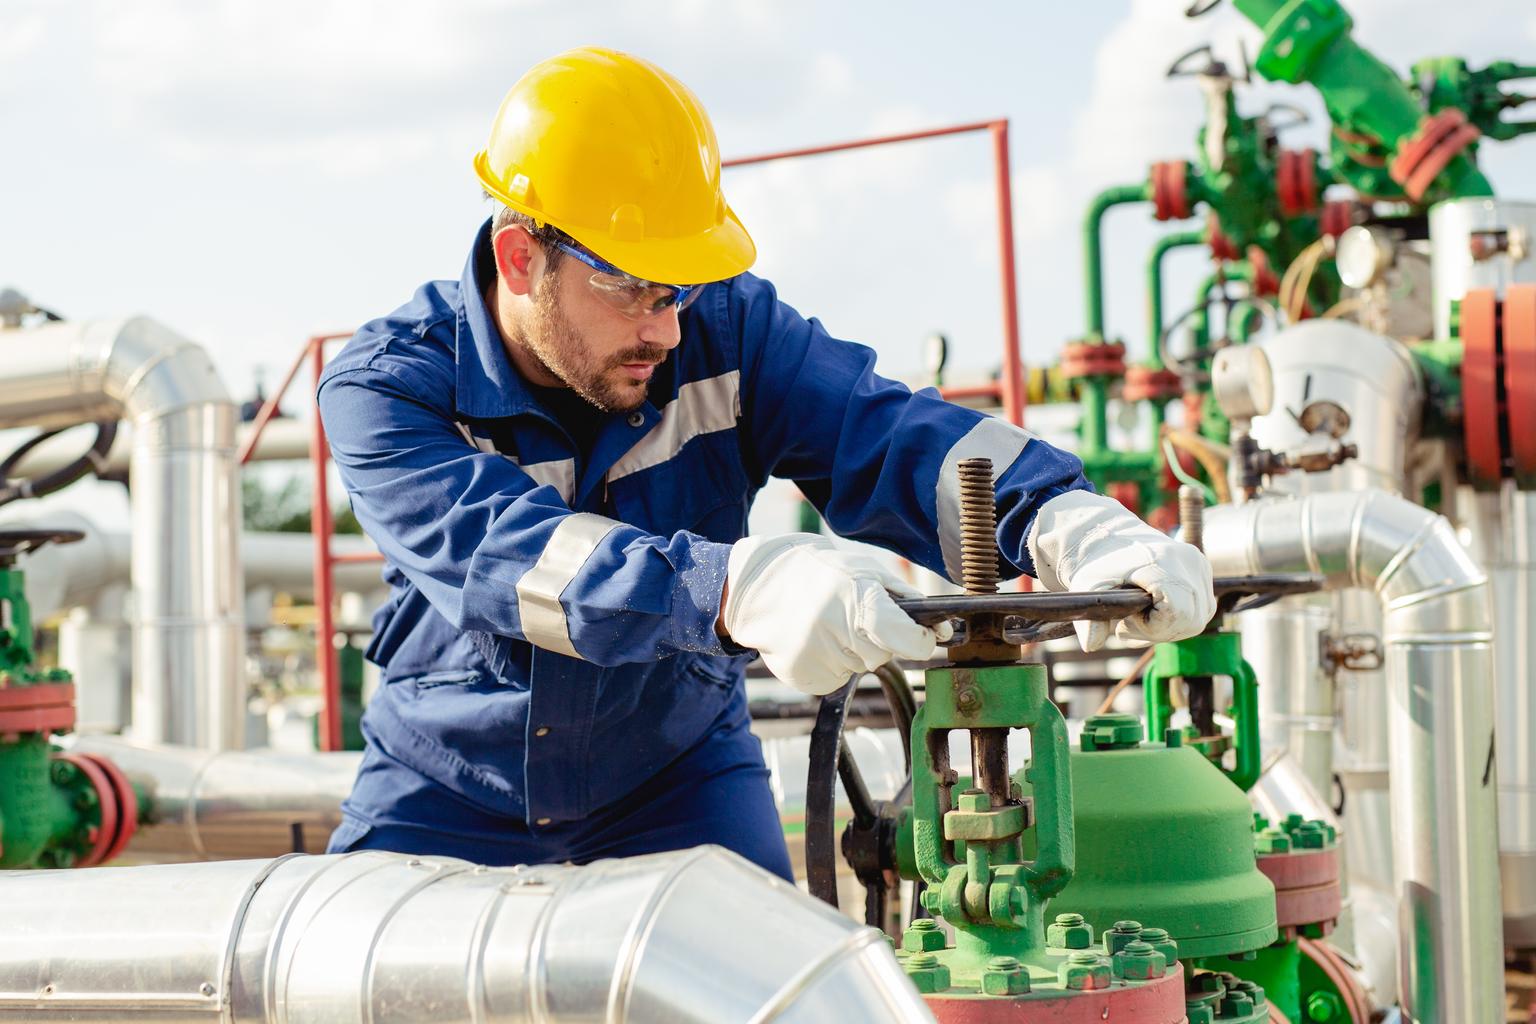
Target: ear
519,259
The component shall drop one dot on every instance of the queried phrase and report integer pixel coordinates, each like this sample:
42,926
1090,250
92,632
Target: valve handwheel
15,543
1002,620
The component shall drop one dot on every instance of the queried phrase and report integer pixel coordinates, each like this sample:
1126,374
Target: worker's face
604,356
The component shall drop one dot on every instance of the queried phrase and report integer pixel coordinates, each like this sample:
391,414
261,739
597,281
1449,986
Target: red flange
1170,190
1337,217
44,708
1265,281
1089,359
1438,141
1519,324
1158,1001
1296,181
1145,384
1307,888
1222,247
1480,387
1127,494
105,833
127,805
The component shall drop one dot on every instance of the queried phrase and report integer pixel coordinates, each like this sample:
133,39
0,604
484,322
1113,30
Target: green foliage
285,508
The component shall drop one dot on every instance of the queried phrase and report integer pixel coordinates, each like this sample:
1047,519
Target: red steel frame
1008,391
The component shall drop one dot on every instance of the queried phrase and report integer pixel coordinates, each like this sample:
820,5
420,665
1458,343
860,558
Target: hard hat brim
723,251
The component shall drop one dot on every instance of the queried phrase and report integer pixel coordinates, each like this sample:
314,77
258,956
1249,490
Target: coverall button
542,730
637,419
543,821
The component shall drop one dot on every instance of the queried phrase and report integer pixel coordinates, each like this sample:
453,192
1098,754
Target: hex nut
1122,933
1069,932
1004,976
926,973
1158,939
1138,961
1085,971
923,936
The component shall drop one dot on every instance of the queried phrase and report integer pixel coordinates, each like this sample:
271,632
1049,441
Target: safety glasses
634,297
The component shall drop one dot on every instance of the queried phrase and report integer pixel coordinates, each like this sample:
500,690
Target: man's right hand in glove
816,613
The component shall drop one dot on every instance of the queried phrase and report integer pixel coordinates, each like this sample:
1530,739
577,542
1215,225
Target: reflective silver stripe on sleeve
701,407
996,439
538,592
557,473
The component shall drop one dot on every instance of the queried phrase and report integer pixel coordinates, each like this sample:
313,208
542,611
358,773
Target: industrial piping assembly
188,660
1439,663
376,937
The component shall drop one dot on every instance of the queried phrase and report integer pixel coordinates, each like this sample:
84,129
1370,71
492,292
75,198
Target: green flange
1163,836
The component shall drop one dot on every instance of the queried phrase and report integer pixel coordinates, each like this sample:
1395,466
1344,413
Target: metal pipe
188,661
1160,249
285,440
1439,659
1093,241
222,805
374,937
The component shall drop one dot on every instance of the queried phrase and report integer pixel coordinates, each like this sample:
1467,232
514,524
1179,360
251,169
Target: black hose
93,461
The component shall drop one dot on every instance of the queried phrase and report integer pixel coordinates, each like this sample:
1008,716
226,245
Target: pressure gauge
1363,256
1242,381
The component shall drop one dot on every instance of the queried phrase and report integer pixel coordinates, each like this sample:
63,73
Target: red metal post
269,407
325,620
1013,362
1010,390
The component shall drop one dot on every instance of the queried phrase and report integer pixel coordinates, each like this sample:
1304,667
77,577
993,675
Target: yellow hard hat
621,156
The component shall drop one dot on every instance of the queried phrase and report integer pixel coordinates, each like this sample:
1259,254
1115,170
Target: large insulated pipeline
1439,664
698,937
188,659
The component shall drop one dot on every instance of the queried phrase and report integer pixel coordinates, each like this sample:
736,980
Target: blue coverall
553,686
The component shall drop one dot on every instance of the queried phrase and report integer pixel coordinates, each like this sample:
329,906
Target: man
557,453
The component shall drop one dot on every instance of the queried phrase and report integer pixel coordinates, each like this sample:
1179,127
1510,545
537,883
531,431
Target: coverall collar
488,384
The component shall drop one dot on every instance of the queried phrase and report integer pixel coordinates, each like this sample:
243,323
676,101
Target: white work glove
1083,541
819,614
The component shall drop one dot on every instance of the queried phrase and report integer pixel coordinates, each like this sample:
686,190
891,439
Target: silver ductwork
1478,243
188,660
697,937
1501,529
1439,665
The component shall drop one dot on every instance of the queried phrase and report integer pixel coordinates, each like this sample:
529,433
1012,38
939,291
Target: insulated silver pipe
188,659
224,805
698,937
1439,663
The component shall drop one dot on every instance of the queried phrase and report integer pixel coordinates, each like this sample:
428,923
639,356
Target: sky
253,173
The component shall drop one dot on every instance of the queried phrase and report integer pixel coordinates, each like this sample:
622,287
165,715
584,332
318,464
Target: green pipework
349,662
16,629
1439,365
1208,655
1093,426
967,848
1447,82
1160,249
1277,969
1093,258
1308,42
49,809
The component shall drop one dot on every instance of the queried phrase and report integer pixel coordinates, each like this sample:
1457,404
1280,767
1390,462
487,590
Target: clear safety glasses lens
639,299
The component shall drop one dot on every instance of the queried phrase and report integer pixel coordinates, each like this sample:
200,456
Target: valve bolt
978,527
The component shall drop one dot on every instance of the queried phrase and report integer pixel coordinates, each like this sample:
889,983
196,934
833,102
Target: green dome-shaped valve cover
1164,837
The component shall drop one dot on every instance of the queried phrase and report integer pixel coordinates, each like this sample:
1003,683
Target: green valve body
1164,836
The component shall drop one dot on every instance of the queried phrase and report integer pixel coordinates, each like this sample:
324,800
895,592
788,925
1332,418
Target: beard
560,349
